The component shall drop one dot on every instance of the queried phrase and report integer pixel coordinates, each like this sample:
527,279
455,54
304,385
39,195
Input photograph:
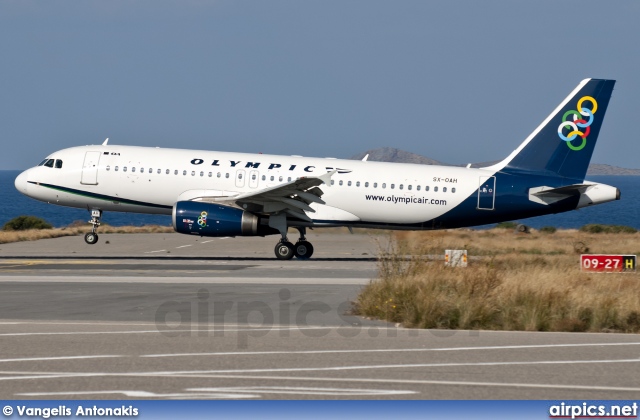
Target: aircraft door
253,179
90,168
487,193
240,175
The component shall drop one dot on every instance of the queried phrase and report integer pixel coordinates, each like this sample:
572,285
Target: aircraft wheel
284,250
303,250
91,238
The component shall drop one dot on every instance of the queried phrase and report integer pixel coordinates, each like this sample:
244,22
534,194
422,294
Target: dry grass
529,282
75,229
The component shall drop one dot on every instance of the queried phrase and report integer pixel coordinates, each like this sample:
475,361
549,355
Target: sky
456,81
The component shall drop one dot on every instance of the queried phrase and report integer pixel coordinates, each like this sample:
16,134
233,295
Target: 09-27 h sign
599,263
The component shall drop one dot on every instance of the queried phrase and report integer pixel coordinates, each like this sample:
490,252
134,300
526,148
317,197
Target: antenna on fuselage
104,143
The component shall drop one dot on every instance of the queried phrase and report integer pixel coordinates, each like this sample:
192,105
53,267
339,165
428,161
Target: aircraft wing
293,198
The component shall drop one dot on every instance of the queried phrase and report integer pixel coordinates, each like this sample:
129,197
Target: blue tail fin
563,144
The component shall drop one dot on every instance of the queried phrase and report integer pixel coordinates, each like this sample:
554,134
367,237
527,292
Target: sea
623,212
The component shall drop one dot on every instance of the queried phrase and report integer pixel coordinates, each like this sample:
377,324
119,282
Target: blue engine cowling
209,219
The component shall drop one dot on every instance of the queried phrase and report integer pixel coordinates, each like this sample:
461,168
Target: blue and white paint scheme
229,194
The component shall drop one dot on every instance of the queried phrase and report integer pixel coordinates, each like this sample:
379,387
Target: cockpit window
58,164
49,163
43,162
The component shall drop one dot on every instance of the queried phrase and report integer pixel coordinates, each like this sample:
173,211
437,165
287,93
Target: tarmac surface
168,316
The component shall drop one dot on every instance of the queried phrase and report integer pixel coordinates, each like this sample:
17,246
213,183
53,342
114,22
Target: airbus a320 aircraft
229,194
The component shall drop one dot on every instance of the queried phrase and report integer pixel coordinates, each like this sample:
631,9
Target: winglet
326,178
104,143
364,159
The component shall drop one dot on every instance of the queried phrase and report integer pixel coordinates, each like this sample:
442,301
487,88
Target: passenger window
409,187
272,178
201,173
264,177
253,177
375,185
366,184
341,182
426,188
108,168
218,175
58,164
435,189
239,176
393,186
184,173
49,163
226,175
116,169
418,188
289,179
401,186
167,171
280,179
141,170
384,185
151,171
349,183
210,174
133,169
175,172
358,184
333,182
193,173
124,169
444,189
453,190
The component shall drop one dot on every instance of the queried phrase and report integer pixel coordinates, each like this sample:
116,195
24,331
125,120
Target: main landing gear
92,237
303,249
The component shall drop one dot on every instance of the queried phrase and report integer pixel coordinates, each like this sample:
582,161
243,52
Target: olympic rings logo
579,122
202,219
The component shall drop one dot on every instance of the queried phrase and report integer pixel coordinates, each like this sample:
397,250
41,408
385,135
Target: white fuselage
151,180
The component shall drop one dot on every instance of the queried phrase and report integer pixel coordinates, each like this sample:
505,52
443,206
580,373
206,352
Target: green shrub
598,228
506,225
548,229
25,223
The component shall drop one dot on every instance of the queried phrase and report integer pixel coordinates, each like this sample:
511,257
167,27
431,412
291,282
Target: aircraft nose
21,183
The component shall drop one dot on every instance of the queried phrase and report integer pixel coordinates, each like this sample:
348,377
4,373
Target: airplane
222,194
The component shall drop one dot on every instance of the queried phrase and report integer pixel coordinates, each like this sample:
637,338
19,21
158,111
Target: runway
76,323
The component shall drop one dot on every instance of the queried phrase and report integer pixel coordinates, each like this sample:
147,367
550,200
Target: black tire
91,238
303,250
522,228
284,250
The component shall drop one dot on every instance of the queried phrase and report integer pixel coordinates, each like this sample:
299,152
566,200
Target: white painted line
183,246
173,279
206,242
144,394
253,378
153,252
304,391
420,382
34,359
407,366
263,353
194,330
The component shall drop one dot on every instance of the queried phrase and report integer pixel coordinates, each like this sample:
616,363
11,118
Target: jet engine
209,219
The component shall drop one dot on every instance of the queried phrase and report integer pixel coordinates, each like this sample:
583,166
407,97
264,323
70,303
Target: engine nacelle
209,219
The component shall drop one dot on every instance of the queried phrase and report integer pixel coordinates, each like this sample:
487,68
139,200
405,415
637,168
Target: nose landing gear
92,237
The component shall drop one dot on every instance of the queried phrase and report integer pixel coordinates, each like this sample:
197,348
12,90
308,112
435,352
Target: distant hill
390,154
